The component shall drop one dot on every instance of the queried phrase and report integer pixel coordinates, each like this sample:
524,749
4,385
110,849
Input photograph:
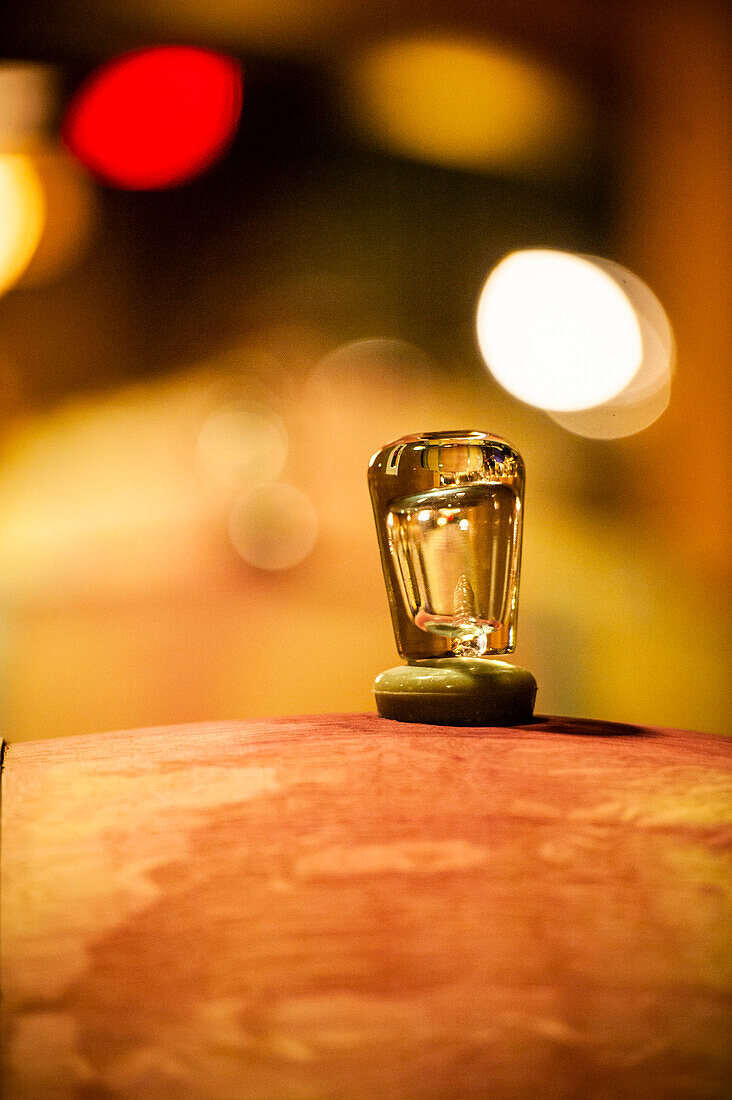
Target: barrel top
546,729
340,905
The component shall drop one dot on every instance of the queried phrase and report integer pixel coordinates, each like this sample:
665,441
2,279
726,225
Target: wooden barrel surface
346,907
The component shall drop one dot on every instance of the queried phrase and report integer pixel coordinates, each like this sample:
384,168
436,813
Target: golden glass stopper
448,508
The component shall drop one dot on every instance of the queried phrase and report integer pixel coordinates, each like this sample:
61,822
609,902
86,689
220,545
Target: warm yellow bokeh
467,104
22,216
70,216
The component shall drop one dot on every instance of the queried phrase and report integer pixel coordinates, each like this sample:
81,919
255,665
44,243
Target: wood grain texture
346,907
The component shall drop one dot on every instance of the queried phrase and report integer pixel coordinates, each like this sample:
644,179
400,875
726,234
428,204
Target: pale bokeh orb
241,444
273,526
557,331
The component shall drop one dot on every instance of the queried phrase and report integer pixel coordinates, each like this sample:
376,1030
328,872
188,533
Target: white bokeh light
557,331
648,393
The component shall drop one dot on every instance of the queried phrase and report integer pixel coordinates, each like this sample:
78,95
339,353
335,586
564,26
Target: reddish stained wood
341,906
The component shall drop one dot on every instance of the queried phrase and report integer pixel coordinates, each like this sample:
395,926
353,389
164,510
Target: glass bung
449,509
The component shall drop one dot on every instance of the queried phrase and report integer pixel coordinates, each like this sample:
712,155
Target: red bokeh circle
156,117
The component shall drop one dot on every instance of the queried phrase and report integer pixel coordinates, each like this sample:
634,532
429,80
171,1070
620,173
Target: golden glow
274,526
102,495
70,205
466,103
22,215
557,331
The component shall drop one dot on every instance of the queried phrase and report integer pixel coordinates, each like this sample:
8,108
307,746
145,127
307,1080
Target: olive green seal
456,691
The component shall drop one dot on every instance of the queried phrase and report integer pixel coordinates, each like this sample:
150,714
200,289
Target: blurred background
203,342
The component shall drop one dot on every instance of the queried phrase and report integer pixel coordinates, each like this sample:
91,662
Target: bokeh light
557,331
273,526
156,117
241,444
467,103
27,98
647,395
22,215
98,494
344,379
71,212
